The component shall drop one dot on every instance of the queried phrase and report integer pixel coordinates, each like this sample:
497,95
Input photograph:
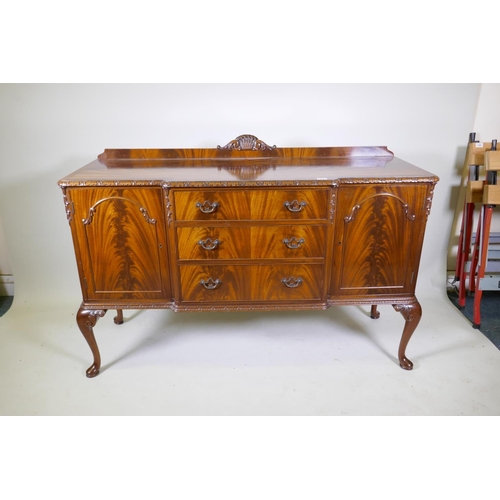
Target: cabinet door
378,238
120,240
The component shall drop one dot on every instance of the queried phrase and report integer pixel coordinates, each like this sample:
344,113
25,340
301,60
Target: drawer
256,204
289,242
288,282
293,204
251,283
201,243
257,242
212,204
214,283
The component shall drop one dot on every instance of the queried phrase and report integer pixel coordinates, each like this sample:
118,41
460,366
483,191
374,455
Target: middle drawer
256,242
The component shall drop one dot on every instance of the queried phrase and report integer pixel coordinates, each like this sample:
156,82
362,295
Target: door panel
122,242
379,230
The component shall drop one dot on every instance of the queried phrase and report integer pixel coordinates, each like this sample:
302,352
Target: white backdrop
47,131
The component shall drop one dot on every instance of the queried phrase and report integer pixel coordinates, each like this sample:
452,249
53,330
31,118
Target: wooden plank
491,194
492,160
474,192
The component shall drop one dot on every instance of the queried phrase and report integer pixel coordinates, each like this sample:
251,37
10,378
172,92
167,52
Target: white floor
334,362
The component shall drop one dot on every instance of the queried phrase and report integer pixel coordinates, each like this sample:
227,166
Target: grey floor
334,362
5,304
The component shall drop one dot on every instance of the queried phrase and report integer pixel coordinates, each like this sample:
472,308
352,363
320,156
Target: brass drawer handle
291,282
211,284
293,243
295,206
209,244
207,207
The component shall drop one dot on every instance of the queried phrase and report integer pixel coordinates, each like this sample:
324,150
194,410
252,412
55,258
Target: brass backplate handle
207,207
295,206
209,244
211,284
291,282
294,243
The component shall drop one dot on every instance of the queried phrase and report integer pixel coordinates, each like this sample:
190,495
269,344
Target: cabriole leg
412,314
86,319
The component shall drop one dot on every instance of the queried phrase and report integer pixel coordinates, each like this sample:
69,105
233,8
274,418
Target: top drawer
255,204
212,204
290,204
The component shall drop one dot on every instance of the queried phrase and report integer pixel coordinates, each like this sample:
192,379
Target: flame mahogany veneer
247,227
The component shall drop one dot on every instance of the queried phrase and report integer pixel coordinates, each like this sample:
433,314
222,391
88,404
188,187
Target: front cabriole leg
412,314
86,319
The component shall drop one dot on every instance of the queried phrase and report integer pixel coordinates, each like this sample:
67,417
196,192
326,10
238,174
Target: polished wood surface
379,231
159,158
239,283
123,243
247,226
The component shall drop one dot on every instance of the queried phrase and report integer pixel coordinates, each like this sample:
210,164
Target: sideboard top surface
222,167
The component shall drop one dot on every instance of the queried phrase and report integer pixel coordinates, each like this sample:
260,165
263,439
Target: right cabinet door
378,238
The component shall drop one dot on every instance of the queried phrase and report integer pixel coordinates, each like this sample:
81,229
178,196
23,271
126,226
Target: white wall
487,121
47,131
6,277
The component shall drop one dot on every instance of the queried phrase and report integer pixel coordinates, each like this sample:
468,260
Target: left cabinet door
121,243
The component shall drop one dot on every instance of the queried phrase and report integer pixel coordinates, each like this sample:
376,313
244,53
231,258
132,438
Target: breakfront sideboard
247,227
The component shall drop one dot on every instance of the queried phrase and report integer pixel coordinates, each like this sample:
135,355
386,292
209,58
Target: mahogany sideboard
247,227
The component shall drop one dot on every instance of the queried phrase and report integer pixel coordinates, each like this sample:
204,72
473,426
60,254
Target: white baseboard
6,284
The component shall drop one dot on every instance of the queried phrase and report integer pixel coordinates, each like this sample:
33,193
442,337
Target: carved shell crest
245,142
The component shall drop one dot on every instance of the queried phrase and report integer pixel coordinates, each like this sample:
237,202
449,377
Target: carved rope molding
247,142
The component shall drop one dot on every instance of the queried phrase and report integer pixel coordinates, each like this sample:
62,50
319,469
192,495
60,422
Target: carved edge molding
203,184
333,204
70,210
278,307
198,184
247,142
168,205
179,307
428,204
389,180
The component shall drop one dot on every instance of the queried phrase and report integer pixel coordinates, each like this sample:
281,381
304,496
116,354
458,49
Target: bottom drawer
252,283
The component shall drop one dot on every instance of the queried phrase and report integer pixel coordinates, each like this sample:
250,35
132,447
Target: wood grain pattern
124,249
255,242
353,229
267,242
232,204
252,282
234,243
254,204
378,229
147,158
269,204
235,283
268,282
